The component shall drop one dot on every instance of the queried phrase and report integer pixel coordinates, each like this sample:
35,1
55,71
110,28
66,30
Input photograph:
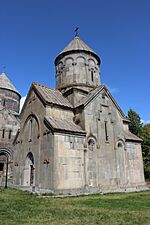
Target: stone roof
130,136
64,125
5,83
90,96
77,45
52,96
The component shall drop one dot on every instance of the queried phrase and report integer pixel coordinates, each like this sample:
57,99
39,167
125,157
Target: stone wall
65,162
10,100
68,163
35,140
112,164
77,68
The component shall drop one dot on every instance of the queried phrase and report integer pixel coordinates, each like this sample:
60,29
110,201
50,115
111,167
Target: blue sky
33,32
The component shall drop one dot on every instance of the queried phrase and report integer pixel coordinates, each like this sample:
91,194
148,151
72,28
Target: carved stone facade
9,124
75,139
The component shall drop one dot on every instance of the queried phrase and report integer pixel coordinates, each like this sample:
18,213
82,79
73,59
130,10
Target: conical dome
5,83
9,96
77,66
76,45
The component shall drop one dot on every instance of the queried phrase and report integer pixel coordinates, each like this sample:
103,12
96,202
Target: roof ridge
42,85
89,95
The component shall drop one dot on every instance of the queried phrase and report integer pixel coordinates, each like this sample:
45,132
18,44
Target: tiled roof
64,125
6,83
77,45
131,136
52,96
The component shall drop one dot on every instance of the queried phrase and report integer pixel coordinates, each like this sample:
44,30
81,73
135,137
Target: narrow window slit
3,133
9,136
106,131
92,77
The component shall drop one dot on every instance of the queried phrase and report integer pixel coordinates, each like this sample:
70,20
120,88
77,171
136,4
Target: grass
23,208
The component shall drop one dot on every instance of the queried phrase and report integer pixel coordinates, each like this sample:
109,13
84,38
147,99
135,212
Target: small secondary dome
5,83
76,45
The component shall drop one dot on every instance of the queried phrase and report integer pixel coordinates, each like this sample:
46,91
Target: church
9,125
75,138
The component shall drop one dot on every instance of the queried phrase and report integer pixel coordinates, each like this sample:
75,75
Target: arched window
31,128
30,157
91,144
120,145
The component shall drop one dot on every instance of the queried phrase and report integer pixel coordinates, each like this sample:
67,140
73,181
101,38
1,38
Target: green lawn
18,207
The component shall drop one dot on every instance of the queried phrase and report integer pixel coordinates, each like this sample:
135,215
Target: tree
135,125
146,150
137,128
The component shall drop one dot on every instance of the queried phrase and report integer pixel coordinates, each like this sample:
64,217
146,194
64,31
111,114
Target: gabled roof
93,94
5,83
52,96
64,125
84,101
132,137
77,45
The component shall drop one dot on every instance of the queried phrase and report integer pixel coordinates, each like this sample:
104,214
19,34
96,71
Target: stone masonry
9,124
75,138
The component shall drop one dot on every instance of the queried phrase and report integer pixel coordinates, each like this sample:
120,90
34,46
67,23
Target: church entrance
1,167
5,167
1,171
29,171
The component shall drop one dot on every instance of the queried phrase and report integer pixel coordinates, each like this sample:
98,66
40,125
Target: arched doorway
29,171
5,166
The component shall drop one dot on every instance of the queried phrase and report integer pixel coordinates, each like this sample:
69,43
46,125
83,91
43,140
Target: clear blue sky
33,32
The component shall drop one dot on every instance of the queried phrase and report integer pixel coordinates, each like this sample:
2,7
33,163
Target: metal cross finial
76,31
4,69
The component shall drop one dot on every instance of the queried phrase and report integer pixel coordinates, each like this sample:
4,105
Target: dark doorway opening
31,174
1,167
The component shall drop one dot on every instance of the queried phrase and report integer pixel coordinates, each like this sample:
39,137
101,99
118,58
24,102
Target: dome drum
9,96
77,68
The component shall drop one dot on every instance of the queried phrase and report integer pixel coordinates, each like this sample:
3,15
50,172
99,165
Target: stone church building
75,138
9,124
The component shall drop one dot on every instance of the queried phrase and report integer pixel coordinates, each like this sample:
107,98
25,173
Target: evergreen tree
135,125
137,128
146,150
